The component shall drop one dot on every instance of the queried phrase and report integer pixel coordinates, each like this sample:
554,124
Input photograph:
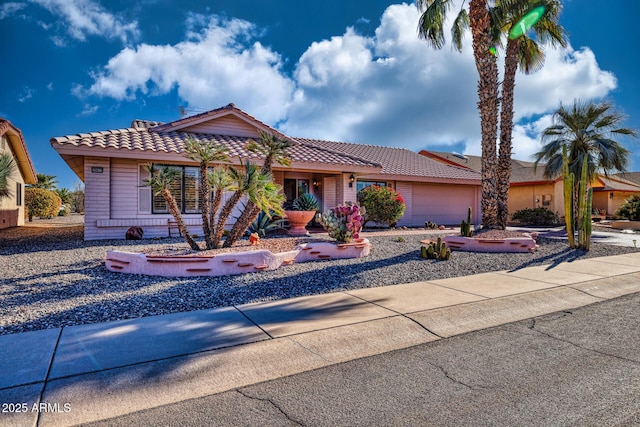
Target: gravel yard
50,277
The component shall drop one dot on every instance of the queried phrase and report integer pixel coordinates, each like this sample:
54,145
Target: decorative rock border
509,244
231,262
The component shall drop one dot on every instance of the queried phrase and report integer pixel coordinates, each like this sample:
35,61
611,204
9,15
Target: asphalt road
579,368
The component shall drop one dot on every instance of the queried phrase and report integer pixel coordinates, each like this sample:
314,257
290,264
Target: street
578,368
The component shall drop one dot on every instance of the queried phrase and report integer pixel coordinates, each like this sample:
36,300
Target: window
18,194
361,185
546,200
293,188
184,190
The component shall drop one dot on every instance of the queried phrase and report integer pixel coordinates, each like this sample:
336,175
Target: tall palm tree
585,128
526,54
478,18
160,181
275,150
205,153
48,182
7,166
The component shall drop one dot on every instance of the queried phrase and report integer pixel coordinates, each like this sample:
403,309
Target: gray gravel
62,281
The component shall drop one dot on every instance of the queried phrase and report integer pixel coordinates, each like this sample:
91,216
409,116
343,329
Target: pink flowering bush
384,205
343,223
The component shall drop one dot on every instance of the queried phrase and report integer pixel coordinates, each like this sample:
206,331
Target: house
111,165
529,189
12,207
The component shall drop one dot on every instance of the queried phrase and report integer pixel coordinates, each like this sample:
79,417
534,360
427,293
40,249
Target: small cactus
465,226
436,250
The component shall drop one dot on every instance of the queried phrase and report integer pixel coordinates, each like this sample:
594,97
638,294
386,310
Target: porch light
351,180
611,195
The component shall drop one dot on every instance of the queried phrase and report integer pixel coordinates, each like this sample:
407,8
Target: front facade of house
12,207
112,166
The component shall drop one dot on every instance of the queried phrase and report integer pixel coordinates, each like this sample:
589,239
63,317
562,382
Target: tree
205,153
160,181
478,19
48,182
7,166
64,194
41,203
273,149
382,204
585,128
526,54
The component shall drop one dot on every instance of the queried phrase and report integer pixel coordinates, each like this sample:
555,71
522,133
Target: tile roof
398,161
615,183
629,176
150,139
521,171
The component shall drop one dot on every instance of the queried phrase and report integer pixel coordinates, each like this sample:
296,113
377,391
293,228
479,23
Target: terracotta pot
298,221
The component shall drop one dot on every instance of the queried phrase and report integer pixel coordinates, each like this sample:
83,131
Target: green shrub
41,203
382,204
630,209
536,216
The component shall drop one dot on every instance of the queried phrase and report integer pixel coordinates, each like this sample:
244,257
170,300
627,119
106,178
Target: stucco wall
12,214
532,196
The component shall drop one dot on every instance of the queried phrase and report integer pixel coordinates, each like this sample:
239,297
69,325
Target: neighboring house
529,189
111,165
12,207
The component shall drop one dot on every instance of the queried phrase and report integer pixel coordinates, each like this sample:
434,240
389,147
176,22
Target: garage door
443,204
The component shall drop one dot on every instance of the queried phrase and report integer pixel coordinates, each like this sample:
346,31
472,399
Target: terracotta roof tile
397,161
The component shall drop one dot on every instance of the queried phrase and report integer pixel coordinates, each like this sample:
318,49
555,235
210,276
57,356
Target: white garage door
443,204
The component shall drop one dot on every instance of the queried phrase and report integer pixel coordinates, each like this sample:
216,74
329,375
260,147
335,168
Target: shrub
630,209
343,223
64,210
41,203
536,216
382,204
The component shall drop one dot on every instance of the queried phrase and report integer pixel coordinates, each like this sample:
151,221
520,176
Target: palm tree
205,153
273,149
48,182
524,53
160,181
430,28
220,181
7,165
585,128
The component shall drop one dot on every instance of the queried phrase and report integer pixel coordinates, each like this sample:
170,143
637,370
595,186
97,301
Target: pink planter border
471,244
230,263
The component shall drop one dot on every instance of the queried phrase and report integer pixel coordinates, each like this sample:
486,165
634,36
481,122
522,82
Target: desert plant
465,226
305,202
382,204
264,223
7,166
41,203
436,250
535,216
343,223
630,209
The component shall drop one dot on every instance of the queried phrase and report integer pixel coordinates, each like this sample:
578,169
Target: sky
343,70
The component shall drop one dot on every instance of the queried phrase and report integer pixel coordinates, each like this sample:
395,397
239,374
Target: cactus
465,227
585,197
436,250
568,186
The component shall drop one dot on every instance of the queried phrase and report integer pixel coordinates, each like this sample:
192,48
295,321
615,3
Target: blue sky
338,69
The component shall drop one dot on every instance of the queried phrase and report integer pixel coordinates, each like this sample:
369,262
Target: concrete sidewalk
84,373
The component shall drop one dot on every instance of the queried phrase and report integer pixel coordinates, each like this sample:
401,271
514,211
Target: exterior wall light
351,180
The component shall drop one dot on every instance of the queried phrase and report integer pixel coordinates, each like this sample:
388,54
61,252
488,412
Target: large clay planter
298,221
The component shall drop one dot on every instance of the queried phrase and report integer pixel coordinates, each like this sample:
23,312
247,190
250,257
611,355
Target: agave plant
264,223
306,202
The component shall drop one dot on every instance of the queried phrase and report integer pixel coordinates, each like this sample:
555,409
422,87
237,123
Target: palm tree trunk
487,66
249,214
205,198
503,174
175,211
225,213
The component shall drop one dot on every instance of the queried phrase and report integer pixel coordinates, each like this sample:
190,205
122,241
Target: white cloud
26,94
213,68
9,8
387,89
88,110
86,17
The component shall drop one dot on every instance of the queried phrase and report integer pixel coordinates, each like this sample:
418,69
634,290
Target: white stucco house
111,165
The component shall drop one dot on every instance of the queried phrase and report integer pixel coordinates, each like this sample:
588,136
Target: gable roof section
522,173
615,183
399,161
19,148
629,176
